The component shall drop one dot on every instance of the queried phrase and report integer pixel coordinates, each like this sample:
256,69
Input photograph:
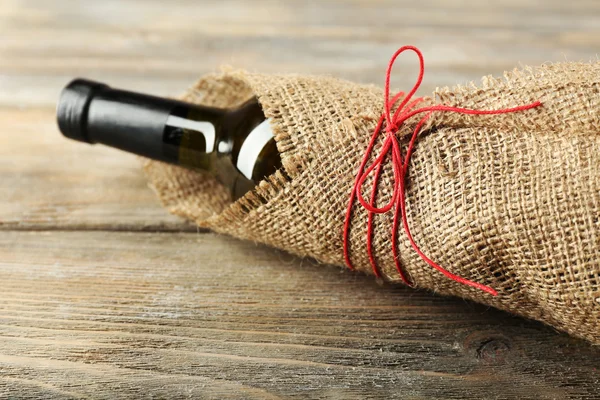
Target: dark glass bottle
234,145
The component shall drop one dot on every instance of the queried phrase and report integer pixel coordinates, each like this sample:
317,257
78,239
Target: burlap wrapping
511,201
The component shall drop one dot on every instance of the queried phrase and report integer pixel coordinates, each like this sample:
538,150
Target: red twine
400,165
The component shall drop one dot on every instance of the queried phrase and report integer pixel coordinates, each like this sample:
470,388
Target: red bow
400,165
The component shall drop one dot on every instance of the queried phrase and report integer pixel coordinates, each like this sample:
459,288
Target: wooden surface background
105,295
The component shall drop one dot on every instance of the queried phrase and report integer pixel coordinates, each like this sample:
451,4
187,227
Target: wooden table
105,295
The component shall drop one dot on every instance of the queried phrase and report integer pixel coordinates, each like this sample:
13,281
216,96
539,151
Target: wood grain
162,47
49,182
105,295
121,314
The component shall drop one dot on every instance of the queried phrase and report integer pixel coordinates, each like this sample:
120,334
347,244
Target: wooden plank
161,47
49,182
121,315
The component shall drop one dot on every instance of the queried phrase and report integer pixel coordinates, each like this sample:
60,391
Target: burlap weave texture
511,201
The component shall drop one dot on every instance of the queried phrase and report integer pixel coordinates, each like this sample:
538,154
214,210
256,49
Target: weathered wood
162,47
105,313
49,182
118,314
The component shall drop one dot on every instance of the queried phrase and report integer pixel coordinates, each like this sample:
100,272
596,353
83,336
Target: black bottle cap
71,111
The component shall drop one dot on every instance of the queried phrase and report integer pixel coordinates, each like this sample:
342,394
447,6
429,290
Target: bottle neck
236,146
149,126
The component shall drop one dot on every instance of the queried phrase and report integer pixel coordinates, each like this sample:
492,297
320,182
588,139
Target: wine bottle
236,145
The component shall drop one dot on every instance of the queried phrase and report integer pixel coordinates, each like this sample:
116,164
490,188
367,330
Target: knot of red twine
391,146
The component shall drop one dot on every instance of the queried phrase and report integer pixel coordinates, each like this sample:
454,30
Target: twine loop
391,149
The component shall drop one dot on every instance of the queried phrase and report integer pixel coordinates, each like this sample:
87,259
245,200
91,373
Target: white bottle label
252,146
206,128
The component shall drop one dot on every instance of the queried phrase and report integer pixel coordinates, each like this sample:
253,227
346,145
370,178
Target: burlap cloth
511,201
